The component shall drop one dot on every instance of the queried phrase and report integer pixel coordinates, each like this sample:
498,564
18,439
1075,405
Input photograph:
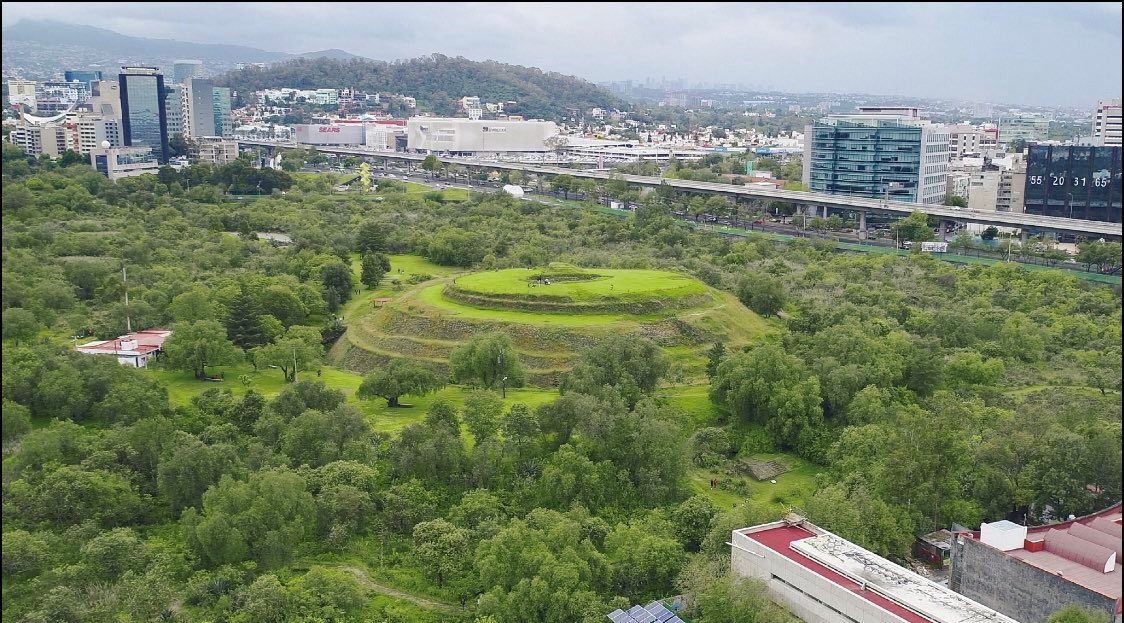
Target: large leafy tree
629,366
488,359
194,346
401,377
442,548
261,519
762,293
768,386
299,350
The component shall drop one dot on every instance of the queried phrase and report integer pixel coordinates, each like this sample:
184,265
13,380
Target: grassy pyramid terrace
550,324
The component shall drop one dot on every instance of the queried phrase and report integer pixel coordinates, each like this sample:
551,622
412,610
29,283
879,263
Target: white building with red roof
1029,573
134,349
823,578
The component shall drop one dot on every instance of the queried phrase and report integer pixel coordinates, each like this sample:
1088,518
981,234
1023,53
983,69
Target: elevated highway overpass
806,200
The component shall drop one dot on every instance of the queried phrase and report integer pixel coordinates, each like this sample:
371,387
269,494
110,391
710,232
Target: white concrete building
1106,123
958,182
22,92
963,139
118,162
822,578
215,151
460,136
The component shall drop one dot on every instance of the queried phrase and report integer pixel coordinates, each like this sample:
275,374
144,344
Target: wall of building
1013,587
473,136
807,594
318,134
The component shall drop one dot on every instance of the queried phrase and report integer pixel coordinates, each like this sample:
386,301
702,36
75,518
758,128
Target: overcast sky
1031,53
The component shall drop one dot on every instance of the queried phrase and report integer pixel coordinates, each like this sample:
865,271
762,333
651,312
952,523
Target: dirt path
366,582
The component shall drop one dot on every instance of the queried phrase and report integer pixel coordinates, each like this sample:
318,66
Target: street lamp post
503,387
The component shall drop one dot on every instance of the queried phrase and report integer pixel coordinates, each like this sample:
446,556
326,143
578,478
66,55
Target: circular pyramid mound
551,315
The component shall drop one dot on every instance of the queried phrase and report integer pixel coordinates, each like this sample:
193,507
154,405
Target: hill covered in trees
436,81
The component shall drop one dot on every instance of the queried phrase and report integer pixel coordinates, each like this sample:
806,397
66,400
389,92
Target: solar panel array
654,612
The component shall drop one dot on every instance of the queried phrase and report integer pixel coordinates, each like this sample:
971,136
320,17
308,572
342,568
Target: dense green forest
908,393
437,82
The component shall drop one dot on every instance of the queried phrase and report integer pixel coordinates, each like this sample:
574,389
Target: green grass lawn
182,387
793,488
608,285
432,296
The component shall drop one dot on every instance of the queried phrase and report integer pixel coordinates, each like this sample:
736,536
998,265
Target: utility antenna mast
125,280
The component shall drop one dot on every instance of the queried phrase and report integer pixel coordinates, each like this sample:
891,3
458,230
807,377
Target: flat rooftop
871,577
139,343
1034,552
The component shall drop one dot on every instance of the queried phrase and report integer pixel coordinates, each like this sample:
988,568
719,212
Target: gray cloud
1015,53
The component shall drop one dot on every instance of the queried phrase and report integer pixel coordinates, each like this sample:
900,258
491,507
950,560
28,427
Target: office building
1030,573
118,162
183,70
963,139
22,92
215,151
87,77
957,185
144,118
105,99
198,108
86,132
220,109
821,577
1106,123
54,97
173,105
1073,182
879,153
1023,127
462,136
39,135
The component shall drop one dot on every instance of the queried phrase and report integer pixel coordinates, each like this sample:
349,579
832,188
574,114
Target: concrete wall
805,593
466,135
1013,587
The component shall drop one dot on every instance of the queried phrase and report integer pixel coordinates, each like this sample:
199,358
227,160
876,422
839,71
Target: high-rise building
198,108
173,104
56,97
89,77
1074,182
39,135
1106,123
879,153
144,117
86,132
963,139
220,104
185,70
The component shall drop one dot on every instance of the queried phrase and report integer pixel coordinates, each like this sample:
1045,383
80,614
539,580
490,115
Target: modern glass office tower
224,125
879,153
185,70
1073,182
144,117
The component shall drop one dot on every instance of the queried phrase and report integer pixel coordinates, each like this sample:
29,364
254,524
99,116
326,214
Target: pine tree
714,357
242,325
375,267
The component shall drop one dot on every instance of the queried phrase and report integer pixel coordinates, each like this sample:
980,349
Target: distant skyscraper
173,104
1106,123
144,117
185,70
199,108
89,77
224,125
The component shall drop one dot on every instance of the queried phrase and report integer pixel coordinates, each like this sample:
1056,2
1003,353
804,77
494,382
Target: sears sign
318,134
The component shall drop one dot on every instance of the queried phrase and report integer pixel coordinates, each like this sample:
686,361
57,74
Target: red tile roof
779,540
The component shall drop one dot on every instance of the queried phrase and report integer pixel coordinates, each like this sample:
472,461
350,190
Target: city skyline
978,52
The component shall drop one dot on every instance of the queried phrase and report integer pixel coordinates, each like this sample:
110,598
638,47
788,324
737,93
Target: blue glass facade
1073,182
144,120
876,160
83,76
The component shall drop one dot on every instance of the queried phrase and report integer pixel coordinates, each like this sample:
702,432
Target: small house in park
134,349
